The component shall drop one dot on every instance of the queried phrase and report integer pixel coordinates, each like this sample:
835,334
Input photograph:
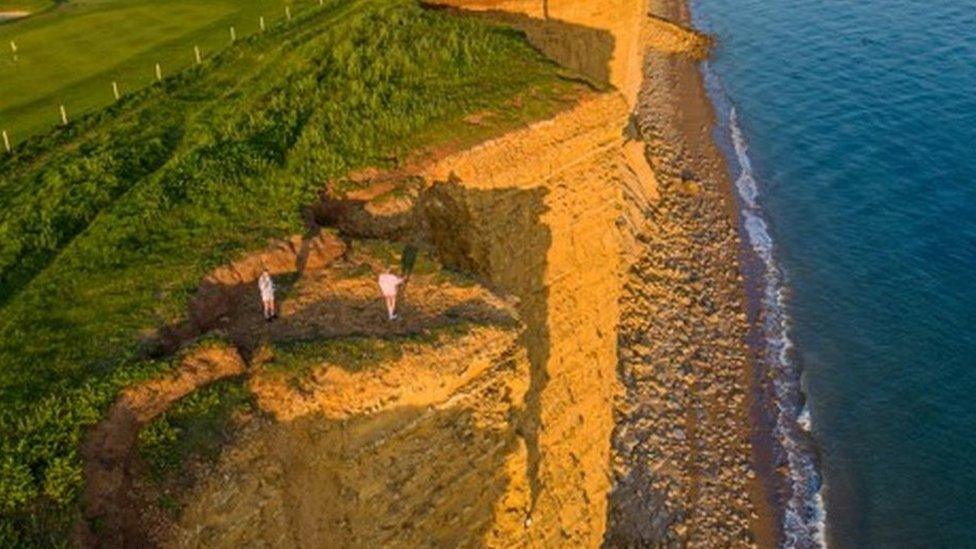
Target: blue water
860,122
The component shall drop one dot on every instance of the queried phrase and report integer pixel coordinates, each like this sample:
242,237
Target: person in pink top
390,285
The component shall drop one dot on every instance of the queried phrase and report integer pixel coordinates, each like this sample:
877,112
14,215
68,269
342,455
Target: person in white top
390,285
266,285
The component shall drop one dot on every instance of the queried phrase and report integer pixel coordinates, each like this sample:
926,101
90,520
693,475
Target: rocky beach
683,441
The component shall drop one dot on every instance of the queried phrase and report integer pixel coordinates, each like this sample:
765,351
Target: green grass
107,226
71,55
195,427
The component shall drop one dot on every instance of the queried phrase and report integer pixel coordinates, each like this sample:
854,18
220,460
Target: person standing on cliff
267,288
390,285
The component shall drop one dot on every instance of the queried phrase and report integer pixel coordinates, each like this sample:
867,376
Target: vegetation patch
65,56
194,428
297,359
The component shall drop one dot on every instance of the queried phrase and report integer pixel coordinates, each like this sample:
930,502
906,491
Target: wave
804,517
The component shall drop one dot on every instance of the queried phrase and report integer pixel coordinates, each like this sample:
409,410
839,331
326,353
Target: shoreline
786,455
695,236
764,490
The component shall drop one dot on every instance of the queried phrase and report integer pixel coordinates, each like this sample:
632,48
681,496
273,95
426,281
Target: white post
233,35
159,73
13,47
288,12
261,23
321,2
196,54
6,141
64,116
115,89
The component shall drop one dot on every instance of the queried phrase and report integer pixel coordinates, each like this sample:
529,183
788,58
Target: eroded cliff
587,408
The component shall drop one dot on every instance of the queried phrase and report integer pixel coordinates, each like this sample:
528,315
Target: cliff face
418,451
501,437
538,210
605,40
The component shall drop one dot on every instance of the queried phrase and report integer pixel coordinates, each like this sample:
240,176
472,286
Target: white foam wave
804,515
803,420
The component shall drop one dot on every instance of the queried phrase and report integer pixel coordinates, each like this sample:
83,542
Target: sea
850,129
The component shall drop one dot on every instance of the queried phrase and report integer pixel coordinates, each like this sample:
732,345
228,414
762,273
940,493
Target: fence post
115,89
288,12
159,73
6,141
233,35
261,23
196,54
64,116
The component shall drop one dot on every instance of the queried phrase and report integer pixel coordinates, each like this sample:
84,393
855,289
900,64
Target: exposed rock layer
535,212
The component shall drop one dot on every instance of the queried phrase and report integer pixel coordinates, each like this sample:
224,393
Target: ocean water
851,130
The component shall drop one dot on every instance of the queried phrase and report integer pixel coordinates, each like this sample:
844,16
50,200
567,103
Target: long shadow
214,302
498,234
241,319
343,317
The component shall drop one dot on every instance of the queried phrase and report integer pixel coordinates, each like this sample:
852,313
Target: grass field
72,53
107,225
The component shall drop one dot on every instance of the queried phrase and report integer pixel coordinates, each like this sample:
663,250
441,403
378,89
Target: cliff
555,419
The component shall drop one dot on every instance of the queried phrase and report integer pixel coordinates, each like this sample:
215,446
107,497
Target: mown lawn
71,54
107,226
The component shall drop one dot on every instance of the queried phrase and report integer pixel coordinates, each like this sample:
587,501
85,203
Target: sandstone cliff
587,405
